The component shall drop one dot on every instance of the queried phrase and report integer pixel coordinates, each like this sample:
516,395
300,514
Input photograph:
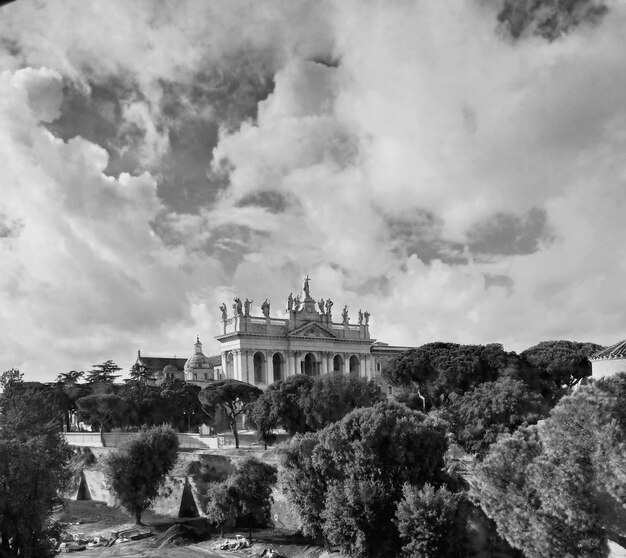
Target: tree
182,405
427,522
480,415
346,479
33,468
281,404
233,396
557,490
142,404
220,506
67,391
137,470
441,369
251,485
246,493
333,396
102,410
103,373
563,363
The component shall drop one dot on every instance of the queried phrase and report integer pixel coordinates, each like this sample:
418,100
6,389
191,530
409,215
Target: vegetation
137,470
479,416
303,404
33,469
246,494
556,491
232,396
347,479
427,522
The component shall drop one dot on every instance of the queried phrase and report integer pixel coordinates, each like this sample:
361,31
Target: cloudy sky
455,169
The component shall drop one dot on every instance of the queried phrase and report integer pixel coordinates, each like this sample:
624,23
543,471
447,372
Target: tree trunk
250,528
235,433
189,422
138,517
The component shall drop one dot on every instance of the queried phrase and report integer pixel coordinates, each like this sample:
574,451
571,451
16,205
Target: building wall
607,367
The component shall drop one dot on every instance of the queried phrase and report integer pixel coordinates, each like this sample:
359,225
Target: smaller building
609,361
197,369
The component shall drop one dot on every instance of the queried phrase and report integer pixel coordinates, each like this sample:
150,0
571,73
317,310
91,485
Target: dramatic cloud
456,170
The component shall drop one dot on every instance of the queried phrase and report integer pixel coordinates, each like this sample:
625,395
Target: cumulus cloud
409,156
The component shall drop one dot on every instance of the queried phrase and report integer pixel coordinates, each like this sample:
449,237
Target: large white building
609,361
261,349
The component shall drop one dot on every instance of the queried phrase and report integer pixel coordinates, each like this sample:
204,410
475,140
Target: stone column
296,362
324,363
236,364
268,368
249,374
362,368
346,364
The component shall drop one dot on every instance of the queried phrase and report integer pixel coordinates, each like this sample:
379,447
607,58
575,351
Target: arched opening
337,364
355,364
229,365
259,368
310,365
278,367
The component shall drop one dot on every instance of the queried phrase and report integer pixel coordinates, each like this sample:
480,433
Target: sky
458,174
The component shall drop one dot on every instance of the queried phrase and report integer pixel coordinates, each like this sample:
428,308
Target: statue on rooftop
344,315
366,315
306,286
296,303
320,305
360,317
290,302
237,306
329,305
246,306
265,308
224,312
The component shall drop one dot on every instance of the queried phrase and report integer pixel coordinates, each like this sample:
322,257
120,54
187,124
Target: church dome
170,369
198,361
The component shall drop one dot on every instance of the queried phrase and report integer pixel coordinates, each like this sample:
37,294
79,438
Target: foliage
480,415
563,363
360,462
441,369
281,404
142,404
303,404
103,373
247,493
33,467
181,404
232,396
136,471
102,411
426,520
220,506
549,19
67,391
552,491
333,396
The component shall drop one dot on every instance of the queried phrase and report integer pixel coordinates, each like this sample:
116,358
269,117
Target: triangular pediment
311,330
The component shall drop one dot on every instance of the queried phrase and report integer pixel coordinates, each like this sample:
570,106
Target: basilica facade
263,349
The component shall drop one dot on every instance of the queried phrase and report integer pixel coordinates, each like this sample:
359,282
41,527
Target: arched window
337,364
355,365
278,366
259,368
310,365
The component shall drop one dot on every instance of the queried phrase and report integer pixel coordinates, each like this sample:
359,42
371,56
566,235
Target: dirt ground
90,519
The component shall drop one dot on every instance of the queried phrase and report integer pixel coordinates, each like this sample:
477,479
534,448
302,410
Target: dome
170,369
198,361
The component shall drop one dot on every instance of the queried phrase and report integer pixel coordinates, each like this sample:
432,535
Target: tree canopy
346,479
480,415
233,396
556,490
136,470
